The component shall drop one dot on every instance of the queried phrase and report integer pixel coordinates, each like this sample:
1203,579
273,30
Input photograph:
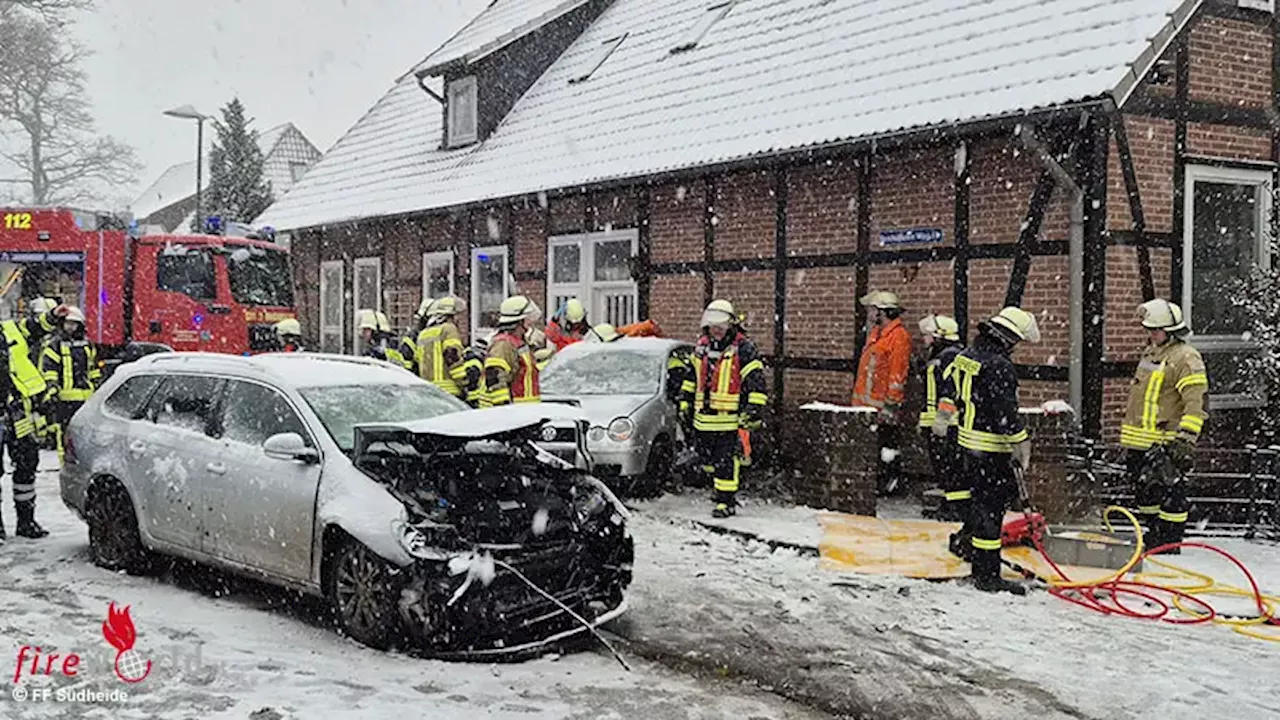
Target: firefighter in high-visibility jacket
882,381
289,335
385,343
569,325
438,353
941,336
23,392
729,395
70,369
543,350
1163,420
982,387
510,370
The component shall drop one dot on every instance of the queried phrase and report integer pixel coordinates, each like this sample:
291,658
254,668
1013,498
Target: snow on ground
893,647
235,657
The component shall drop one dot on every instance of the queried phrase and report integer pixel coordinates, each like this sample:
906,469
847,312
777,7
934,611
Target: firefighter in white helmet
881,381
1163,420
602,333
981,386
941,337
510,369
289,333
438,353
386,341
70,368
728,396
569,324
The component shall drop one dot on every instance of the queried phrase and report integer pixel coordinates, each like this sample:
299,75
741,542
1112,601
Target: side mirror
289,446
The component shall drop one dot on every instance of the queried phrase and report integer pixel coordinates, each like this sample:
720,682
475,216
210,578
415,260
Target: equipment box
1090,549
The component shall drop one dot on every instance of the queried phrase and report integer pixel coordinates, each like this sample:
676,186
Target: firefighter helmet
940,326
517,308
289,326
1019,322
447,306
41,305
881,300
74,314
719,312
384,325
366,320
574,311
1160,314
604,332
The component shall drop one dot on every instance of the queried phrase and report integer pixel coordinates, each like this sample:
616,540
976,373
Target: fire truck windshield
260,277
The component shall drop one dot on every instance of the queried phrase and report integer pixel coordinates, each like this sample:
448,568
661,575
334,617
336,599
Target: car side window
251,413
190,273
127,400
186,402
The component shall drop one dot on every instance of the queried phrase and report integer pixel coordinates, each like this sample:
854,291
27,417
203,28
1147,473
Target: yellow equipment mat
915,549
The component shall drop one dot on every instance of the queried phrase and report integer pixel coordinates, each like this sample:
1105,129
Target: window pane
1224,249
331,287
253,413
613,260
566,264
491,279
439,278
189,272
184,401
1228,375
331,342
260,277
128,398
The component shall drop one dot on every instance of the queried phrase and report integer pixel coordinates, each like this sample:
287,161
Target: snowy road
235,657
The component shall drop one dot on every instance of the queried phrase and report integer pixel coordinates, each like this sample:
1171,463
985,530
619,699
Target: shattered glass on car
617,372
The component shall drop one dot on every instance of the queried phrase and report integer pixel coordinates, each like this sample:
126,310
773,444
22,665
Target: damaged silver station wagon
424,523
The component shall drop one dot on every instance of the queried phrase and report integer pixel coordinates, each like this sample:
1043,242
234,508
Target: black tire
114,540
658,470
362,595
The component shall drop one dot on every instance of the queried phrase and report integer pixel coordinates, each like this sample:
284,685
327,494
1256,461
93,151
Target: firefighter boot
986,570
27,525
724,510
960,545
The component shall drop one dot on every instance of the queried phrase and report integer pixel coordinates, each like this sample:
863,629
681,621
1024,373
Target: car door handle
137,447
216,468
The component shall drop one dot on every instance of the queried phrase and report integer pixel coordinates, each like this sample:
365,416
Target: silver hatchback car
348,478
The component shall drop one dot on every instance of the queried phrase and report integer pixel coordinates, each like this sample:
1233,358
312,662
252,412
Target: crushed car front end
513,548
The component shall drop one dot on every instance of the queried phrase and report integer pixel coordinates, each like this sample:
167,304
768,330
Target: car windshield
260,277
604,372
342,407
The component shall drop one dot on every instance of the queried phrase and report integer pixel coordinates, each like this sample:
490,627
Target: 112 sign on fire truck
189,292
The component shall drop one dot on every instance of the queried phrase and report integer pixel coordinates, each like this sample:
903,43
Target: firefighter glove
941,423
1022,455
1181,454
750,422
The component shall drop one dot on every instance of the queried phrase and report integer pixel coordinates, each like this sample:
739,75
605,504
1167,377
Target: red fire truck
190,292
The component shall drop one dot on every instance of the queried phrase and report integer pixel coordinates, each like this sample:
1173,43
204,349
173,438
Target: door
331,295
490,285
367,294
169,452
185,309
259,511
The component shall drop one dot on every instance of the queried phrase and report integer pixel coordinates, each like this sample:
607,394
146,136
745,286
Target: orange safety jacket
557,336
511,371
882,369
645,328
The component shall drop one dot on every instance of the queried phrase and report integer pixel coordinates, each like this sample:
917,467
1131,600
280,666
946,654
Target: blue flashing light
197,320
482,257
102,297
213,225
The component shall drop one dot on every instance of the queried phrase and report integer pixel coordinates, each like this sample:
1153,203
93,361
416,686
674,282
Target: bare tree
42,96
46,8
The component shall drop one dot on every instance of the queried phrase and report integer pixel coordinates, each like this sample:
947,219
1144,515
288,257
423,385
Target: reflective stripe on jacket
511,373
20,335
728,385
942,358
1166,398
70,369
438,355
883,367
982,385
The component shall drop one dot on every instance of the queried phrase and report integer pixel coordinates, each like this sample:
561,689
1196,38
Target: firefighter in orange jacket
882,380
568,326
729,395
510,370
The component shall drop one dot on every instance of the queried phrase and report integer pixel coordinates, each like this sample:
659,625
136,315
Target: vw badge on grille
548,433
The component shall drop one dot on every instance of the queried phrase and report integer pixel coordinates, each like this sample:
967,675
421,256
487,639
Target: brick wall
613,210
676,304
529,226
745,216
913,189
1230,62
1033,393
1002,180
822,209
1151,144
806,386
568,214
1228,142
305,257
820,322
751,292
676,224
923,288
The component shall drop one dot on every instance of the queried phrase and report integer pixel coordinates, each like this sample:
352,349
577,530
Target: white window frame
457,137
331,329
374,262
436,258
587,287
1261,179
492,251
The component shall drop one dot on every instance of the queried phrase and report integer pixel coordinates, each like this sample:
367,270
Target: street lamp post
186,112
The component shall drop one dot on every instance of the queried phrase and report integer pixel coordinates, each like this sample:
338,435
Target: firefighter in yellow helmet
981,386
70,369
24,392
729,395
289,333
438,353
1163,420
569,324
510,370
602,333
367,325
941,337
386,341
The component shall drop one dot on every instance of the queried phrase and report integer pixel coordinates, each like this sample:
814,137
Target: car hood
487,422
603,409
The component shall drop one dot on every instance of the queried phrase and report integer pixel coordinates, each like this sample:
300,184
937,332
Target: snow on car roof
649,346
768,77
295,370
490,421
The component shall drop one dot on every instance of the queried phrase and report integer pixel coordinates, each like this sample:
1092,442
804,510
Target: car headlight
620,430
596,434
549,433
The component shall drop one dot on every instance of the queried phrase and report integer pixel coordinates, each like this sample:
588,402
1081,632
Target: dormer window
710,17
461,98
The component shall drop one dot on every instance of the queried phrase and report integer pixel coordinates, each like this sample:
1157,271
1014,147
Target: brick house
169,203
648,155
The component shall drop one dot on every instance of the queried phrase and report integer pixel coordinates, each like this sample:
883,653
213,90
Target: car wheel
657,471
114,540
362,595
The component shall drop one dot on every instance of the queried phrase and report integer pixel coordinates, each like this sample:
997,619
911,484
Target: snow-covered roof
177,183
500,24
768,77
